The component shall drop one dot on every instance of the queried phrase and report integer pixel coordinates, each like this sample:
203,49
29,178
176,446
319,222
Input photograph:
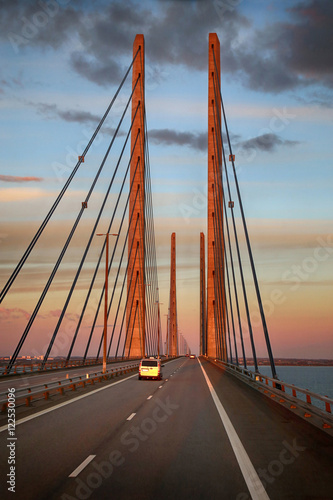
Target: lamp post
106,294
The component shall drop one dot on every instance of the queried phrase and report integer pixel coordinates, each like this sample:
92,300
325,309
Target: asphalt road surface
172,439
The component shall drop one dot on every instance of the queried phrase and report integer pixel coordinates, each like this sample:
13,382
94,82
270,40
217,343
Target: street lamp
106,294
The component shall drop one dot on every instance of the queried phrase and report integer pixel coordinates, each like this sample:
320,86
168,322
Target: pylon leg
214,242
202,295
135,312
173,330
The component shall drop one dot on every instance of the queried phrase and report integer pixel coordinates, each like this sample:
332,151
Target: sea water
318,379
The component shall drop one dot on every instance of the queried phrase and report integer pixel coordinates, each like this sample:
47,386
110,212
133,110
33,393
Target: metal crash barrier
26,395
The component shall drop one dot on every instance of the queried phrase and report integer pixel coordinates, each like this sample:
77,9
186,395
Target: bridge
81,425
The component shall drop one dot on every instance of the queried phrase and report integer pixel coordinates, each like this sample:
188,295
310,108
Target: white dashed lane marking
131,416
84,464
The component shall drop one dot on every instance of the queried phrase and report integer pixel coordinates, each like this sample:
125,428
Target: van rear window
149,363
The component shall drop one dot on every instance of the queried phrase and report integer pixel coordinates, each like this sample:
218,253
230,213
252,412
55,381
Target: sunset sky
62,61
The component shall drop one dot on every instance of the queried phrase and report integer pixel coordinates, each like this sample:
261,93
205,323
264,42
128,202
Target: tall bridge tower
215,247
203,340
173,326
135,309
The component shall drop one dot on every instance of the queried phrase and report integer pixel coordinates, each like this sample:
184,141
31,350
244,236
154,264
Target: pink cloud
15,178
54,314
14,313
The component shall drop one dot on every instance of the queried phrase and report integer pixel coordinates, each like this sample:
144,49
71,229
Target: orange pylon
135,310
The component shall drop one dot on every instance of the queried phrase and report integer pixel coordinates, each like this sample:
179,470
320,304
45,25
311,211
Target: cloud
172,137
15,178
175,33
12,82
56,313
101,72
266,142
52,111
277,57
181,34
312,39
322,99
13,313
111,38
198,141
292,54
38,23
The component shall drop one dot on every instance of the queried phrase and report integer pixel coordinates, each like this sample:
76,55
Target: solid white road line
48,410
131,416
250,475
84,464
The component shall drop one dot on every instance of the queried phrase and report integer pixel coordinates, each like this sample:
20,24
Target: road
166,440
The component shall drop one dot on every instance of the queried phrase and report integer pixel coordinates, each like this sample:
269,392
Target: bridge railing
309,397
26,395
20,369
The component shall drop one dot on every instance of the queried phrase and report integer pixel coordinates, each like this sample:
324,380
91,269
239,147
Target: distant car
187,355
150,368
192,356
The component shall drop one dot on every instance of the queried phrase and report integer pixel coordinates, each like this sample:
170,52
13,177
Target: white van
150,368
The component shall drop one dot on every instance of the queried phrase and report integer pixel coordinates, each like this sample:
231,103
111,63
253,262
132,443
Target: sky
62,62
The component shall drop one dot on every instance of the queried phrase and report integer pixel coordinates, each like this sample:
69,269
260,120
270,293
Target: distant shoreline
290,362
249,361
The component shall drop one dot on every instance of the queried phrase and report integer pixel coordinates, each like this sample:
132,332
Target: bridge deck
150,439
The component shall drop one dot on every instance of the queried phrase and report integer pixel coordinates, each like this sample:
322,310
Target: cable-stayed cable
54,271
33,242
122,290
151,260
117,240
92,234
125,274
254,274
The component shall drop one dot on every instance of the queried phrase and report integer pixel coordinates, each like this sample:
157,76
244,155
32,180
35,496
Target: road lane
51,446
293,459
250,475
174,447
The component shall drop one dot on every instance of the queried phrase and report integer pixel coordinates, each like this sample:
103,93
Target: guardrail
20,369
26,395
284,387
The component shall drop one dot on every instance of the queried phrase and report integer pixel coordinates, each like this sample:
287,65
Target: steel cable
61,194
